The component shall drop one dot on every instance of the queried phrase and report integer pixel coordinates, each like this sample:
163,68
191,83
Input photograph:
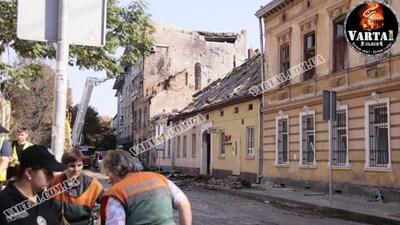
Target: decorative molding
375,72
283,95
338,9
309,24
284,36
307,89
338,82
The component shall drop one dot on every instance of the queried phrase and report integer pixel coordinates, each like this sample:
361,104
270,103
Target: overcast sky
209,15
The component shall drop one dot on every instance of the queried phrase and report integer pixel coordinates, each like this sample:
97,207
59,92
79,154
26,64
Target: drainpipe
260,107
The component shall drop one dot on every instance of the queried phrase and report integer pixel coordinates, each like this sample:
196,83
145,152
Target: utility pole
44,20
329,113
61,83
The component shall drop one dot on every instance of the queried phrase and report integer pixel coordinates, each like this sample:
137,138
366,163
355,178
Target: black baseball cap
39,156
3,129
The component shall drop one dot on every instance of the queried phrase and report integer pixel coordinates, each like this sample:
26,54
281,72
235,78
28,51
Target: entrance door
205,164
236,154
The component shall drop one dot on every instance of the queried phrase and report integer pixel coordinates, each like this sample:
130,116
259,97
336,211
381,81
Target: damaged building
227,141
182,63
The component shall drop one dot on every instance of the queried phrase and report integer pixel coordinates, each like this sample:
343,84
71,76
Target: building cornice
272,7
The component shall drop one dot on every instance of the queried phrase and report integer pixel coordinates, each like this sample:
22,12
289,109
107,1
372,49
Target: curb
328,211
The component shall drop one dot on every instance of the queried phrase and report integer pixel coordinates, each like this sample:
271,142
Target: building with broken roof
182,63
227,143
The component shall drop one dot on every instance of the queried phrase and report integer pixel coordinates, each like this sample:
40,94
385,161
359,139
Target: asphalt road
210,207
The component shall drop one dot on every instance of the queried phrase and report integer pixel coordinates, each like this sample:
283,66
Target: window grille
250,141
283,141
339,156
378,136
284,62
308,143
222,142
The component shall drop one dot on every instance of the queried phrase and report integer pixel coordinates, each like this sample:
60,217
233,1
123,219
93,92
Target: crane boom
82,108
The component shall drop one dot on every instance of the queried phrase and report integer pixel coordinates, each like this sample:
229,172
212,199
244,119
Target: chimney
251,53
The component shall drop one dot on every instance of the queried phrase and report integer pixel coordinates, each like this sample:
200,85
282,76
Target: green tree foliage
91,127
126,26
107,139
32,106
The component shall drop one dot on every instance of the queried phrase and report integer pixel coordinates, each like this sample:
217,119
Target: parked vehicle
87,152
96,160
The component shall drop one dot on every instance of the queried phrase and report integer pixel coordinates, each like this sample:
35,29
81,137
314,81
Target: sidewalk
343,207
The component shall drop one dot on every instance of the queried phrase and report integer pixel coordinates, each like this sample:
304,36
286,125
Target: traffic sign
86,21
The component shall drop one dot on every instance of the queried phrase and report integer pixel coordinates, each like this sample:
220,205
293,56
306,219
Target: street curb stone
328,211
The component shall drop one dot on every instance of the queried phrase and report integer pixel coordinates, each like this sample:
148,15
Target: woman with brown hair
25,200
77,202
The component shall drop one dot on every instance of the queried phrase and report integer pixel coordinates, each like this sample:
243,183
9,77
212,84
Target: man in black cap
25,201
5,153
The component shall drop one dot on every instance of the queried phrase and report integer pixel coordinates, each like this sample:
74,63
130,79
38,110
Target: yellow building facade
366,135
235,140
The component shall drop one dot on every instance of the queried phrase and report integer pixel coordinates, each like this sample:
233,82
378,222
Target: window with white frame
307,139
339,138
222,144
377,134
193,145
250,141
282,140
178,147
169,149
184,147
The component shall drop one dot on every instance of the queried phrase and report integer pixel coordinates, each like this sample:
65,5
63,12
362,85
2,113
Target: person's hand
12,159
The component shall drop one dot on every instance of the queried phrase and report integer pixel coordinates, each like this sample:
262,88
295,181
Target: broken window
309,52
284,62
339,46
197,76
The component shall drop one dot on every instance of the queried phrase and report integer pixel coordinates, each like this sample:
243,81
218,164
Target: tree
107,139
33,105
125,26
91,127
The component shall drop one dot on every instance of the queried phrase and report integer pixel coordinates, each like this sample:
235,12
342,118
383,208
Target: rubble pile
205,181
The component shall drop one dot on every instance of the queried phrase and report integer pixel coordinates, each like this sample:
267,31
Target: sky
207,15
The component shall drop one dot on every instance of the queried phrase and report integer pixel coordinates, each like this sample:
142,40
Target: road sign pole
330,144
61,83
